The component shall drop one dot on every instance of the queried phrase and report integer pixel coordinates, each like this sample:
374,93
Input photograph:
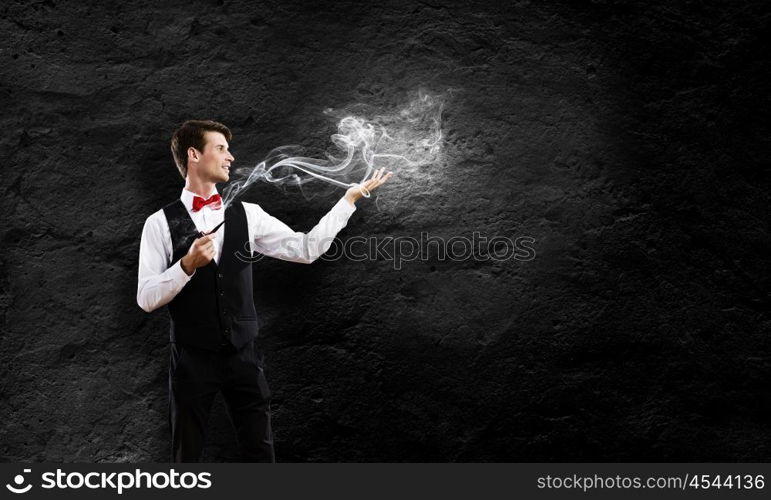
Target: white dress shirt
160,280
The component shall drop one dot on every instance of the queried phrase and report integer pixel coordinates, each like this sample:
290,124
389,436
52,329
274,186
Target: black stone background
629,139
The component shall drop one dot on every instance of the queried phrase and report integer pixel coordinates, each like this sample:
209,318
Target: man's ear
192,154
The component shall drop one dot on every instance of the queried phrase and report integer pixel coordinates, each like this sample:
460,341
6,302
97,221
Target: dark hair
191,134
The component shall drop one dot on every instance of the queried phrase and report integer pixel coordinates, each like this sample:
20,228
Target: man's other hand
200,254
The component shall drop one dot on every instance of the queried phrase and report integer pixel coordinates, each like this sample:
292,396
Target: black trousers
195,377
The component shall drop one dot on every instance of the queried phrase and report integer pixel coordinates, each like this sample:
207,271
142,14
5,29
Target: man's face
214,161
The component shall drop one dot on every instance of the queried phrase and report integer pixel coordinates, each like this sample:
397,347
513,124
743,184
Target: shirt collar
187,197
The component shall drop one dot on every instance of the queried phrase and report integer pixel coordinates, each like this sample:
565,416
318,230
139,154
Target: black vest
216,306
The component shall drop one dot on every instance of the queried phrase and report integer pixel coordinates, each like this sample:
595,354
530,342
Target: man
208,290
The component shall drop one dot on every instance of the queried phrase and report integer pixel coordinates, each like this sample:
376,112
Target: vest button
219,275
222,293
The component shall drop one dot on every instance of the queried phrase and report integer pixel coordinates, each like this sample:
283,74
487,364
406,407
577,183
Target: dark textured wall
630,140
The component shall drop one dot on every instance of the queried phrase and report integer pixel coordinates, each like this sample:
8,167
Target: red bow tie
214,200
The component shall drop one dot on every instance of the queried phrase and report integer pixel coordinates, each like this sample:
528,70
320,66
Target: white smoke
410,135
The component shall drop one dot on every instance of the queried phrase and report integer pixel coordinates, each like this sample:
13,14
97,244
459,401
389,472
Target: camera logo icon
19,481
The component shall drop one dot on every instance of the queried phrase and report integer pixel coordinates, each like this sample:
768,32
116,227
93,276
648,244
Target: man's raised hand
378,178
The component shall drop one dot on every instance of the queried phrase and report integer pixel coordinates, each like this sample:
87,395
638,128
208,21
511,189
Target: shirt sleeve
273,238
158,282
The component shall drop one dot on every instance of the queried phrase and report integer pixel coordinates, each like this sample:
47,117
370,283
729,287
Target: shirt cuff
179,275
345,206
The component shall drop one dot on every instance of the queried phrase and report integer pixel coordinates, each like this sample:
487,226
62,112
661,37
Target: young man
208,290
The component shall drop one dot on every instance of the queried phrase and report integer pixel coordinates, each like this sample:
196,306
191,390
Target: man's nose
231,157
